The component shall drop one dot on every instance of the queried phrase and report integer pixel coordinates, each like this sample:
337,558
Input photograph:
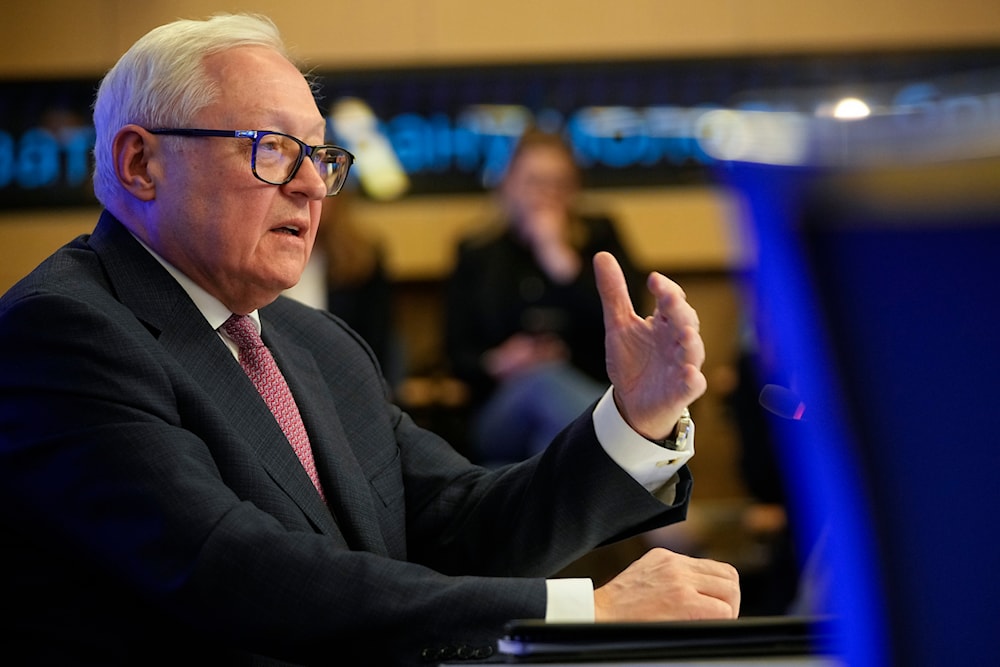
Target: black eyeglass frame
305,150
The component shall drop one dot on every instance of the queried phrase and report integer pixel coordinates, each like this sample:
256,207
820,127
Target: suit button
475,652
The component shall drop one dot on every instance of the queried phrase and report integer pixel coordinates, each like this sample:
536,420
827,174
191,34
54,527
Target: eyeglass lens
278,156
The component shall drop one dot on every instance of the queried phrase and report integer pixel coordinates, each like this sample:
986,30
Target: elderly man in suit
178,490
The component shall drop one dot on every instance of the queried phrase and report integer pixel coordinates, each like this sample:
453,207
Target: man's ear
133,149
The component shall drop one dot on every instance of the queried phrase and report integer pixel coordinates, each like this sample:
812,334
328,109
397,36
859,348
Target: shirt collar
213,310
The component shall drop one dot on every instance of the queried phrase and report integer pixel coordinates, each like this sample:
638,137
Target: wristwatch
685,432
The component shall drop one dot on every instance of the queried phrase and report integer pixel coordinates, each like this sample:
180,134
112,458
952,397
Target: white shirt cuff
569,601
647,462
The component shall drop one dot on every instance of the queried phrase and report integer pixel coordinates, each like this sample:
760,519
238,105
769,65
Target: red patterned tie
260,366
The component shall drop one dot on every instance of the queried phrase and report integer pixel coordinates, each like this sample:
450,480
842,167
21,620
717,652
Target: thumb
615,300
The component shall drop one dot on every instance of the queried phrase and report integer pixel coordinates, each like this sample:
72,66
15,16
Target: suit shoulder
73,271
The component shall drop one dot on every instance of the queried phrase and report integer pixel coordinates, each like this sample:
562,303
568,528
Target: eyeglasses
276,157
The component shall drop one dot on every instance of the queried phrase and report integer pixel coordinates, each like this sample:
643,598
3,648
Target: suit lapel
217,371
149,291
347,490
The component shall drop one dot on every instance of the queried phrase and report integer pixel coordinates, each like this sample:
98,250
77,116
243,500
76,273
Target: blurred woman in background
524,325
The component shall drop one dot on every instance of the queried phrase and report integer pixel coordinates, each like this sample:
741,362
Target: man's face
241,239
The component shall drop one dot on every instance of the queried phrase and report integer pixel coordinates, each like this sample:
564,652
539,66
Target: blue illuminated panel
451,128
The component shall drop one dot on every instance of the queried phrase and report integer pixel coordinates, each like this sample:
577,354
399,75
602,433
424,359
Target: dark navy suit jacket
152,511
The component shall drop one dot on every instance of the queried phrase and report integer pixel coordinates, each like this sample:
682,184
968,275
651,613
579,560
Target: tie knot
243,332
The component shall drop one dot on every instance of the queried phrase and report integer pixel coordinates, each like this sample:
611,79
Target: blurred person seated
358,287
346,275
523,317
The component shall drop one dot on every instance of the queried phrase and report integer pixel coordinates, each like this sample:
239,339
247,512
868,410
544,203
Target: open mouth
288,229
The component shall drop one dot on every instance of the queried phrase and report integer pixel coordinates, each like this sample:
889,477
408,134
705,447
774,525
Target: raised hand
654,362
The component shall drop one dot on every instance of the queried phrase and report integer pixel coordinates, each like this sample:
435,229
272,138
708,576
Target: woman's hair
531,139
161,82
536,138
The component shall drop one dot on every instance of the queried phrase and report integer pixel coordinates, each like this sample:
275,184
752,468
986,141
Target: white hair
161,82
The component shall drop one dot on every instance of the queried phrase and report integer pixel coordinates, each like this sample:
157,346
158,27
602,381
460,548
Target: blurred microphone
782,401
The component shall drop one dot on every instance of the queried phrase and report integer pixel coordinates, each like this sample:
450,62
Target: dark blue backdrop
631,122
